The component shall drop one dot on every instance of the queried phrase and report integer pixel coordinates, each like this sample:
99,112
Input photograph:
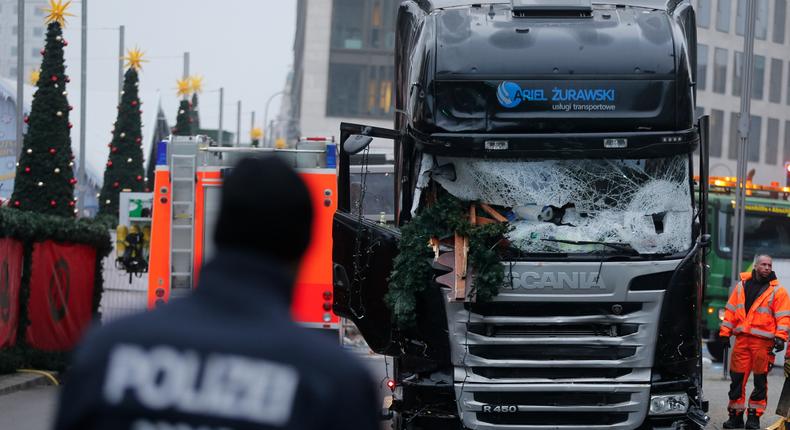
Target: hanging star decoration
57,12
134,59
184,87
256,133
34,76
196,84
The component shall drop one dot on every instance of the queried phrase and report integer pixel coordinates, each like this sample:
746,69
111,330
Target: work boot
735,421
752,420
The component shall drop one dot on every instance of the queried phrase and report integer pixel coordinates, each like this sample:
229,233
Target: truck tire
716,350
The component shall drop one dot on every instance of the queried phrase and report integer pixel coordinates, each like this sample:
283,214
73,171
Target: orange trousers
751,354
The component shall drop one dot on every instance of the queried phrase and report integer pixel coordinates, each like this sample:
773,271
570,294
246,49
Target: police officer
758,314
229,356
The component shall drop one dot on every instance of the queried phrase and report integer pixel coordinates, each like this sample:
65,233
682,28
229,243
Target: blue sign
510,94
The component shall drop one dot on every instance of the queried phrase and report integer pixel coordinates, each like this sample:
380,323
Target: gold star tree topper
134,59
57,12
184,87
196,84
34,76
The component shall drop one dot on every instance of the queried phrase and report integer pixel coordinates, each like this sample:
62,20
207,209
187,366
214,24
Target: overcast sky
245,46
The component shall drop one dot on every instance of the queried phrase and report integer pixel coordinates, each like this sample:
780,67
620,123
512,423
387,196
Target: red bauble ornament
53,203
27,119
114,149
72,181
139,178
139,139
190,120
17,203
52,151
71,203
109,164
65,43
71,125
43,51
71,107
134,102
27,169
54,78
115,184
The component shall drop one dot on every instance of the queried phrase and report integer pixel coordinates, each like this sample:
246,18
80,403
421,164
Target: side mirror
356,143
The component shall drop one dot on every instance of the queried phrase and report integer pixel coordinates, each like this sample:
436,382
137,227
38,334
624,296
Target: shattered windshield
579,206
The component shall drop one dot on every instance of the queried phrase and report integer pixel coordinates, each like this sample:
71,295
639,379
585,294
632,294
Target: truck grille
548,373
557,352
553,419
566,359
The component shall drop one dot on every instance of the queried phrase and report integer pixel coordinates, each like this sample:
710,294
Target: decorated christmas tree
45,176
196,83
124,169
184,118
161,132
255,137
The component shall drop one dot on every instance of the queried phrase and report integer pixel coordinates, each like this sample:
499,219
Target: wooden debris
461,259
496,215
434,244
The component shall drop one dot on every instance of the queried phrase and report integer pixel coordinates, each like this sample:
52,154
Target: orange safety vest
768,317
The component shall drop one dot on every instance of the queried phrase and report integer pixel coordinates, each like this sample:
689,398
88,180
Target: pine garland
29,227
412,272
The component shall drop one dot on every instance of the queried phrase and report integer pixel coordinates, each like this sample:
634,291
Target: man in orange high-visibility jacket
758,314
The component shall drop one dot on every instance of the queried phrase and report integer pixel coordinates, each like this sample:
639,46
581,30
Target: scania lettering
557,280
569,126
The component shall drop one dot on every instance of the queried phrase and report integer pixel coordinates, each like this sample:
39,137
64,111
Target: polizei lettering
557,281
225,386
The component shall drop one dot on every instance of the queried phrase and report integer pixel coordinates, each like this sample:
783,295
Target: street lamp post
267,132
20,76
82,185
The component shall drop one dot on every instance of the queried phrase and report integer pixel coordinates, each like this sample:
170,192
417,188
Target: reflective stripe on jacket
769,316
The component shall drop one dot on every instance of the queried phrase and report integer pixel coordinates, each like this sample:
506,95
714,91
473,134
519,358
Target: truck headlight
669,404
721,314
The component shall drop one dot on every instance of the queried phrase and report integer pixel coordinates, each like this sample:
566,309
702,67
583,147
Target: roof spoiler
551,8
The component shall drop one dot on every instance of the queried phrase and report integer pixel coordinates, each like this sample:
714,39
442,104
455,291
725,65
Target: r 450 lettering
502,409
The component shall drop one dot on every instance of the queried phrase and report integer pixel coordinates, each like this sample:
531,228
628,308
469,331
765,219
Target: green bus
766,230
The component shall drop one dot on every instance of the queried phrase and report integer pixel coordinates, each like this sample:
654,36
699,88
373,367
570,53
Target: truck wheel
716,350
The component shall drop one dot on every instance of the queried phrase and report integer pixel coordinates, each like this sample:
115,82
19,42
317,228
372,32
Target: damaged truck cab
572,123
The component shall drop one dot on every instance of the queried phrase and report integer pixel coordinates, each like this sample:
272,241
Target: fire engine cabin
186,201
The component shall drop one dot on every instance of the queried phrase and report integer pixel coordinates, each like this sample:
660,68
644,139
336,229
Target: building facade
721,25
35,30
344,67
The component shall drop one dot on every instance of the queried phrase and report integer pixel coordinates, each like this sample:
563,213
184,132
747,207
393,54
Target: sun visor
617,70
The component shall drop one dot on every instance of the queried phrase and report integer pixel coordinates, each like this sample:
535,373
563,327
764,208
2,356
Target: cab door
364,242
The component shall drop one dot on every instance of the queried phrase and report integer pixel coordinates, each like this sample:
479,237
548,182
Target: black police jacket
227,357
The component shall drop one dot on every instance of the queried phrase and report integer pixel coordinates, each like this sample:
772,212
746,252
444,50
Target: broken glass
642,204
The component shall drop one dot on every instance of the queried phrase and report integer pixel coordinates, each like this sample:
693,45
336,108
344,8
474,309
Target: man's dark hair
265,209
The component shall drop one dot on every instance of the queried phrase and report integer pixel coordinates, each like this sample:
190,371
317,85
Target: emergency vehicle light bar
725,183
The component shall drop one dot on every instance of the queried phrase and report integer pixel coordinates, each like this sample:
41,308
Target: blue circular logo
509,94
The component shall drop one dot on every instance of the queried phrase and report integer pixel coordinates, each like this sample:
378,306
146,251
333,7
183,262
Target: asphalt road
34,409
